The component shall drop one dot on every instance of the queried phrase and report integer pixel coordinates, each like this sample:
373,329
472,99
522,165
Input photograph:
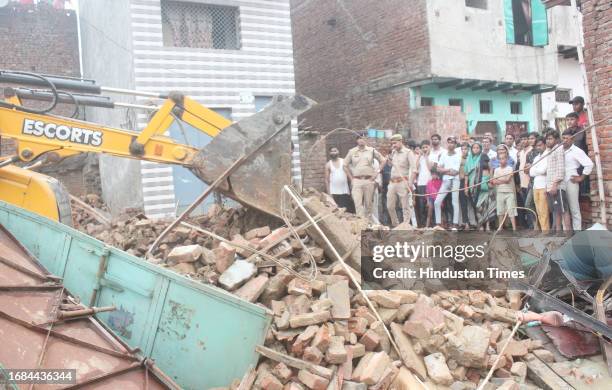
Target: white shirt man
336,181
574,159
538,172
449,165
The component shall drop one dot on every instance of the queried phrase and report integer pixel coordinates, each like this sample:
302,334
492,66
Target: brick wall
314,148
598,59
350,55
354,58
444,120
42,39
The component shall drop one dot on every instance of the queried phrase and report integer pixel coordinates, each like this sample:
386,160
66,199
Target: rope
481,182
499,355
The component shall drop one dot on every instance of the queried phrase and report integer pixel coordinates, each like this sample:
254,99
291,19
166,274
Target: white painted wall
561,22
569,78
471,43
219,79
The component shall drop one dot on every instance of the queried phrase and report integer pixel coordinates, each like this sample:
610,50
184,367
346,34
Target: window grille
482,4
486,106
426,101
198,25
563,95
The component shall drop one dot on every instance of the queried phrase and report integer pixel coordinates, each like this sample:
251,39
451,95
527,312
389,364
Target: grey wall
471,43
107,58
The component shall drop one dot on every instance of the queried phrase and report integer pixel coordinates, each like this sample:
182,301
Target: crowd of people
533,181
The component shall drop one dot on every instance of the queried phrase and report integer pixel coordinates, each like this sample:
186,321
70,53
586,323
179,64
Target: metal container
199,335
43,330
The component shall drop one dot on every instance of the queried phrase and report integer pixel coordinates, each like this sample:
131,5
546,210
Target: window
197,25
563,95
261,102
426,101
516,108
482,4
486,106
456,102
526,22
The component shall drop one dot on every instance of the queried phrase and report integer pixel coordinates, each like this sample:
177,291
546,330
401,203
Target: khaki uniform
403,163
361,164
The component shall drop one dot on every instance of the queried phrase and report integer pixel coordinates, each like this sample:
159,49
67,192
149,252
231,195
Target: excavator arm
59,137
256,183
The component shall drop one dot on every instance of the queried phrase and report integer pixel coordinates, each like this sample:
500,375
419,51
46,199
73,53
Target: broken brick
322,338
300,320
224,256
370,340
371,367
312,355
437,369
338,293
282,372
336,353
312,381
185,254
299,287
385,299
259,232
253,288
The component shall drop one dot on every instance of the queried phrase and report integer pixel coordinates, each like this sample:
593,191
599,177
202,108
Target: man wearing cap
578,106
402,177
359,167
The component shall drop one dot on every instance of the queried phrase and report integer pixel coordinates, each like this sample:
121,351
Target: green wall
471,105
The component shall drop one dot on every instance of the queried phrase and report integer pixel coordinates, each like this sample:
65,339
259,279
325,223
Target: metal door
187,187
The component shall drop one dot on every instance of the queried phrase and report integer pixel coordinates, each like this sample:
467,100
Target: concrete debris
237,274
323,329
185,254
437,369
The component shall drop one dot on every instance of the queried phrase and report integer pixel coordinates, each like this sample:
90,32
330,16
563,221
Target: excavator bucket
265,139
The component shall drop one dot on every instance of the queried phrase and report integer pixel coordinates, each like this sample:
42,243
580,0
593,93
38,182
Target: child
431,189
503,180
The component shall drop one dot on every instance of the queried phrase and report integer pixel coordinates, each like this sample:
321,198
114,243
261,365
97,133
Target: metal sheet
32,337
200,335
259,180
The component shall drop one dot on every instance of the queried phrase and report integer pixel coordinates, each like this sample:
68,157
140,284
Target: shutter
509,21
539,23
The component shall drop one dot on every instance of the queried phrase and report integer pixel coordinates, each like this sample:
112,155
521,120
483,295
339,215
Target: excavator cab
262,141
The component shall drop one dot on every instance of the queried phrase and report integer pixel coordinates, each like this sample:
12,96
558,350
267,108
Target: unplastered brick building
424,66
39,38
598,58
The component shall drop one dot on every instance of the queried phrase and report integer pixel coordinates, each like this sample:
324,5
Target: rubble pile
323,330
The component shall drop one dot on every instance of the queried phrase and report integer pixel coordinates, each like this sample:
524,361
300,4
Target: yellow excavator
260,143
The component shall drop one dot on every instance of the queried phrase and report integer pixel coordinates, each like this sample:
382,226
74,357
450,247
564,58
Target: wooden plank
294,362
544,376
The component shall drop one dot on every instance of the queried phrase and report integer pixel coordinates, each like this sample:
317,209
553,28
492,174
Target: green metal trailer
199,335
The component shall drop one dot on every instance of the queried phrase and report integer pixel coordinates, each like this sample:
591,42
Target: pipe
85,312
71,83
133,92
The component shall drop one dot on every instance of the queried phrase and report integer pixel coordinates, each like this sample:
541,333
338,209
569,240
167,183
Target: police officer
402,176
359,167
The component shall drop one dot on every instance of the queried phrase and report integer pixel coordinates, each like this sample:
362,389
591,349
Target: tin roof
43,327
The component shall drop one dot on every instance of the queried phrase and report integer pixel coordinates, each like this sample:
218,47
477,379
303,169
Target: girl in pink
432,188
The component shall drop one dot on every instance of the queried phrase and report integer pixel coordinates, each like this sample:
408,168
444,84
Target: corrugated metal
216,78
201,336
35,333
